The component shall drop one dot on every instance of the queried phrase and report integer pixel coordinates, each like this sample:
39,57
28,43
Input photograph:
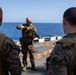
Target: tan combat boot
24,68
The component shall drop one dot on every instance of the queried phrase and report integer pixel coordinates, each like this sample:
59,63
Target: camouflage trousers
28,48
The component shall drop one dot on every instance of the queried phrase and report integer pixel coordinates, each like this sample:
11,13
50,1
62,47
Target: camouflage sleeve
59,58
35,29
19,27
12,59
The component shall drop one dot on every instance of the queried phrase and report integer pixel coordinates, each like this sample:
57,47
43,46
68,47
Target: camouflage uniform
62,57
27,44
11,61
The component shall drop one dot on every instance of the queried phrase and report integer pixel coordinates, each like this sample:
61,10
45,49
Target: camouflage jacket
60,58
27,35
11,60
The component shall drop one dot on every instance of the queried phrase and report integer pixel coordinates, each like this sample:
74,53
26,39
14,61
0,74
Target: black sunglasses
29,22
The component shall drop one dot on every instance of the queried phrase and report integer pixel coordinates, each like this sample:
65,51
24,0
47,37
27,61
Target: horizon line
32,22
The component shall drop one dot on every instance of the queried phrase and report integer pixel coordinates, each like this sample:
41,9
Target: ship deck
43,50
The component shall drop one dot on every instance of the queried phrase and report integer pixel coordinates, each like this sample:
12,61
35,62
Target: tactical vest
27,36
71,44
3,71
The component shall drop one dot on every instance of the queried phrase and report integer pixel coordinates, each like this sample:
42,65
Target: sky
43,11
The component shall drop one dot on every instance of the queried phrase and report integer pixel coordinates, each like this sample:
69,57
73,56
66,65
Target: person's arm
35,32
12,58
20,27
58,61
34,29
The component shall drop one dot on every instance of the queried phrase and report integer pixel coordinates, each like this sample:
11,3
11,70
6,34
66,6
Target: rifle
32,31
36,35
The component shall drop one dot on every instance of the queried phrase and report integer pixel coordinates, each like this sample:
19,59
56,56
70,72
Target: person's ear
64,22
1,16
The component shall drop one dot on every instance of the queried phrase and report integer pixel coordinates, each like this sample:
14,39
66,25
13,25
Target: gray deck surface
40,60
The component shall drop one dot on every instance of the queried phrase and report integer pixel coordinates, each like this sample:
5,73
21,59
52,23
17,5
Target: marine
63,57
9,55
27,42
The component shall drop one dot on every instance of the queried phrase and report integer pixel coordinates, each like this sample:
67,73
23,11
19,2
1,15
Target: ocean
43,29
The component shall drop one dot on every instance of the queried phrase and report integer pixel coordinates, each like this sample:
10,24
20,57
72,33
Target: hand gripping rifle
34,33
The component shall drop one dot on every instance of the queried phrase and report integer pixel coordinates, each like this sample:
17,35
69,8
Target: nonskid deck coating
44,48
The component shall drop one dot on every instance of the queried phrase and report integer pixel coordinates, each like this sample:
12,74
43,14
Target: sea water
43,29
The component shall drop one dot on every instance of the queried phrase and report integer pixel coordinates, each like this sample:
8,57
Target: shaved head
28,19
